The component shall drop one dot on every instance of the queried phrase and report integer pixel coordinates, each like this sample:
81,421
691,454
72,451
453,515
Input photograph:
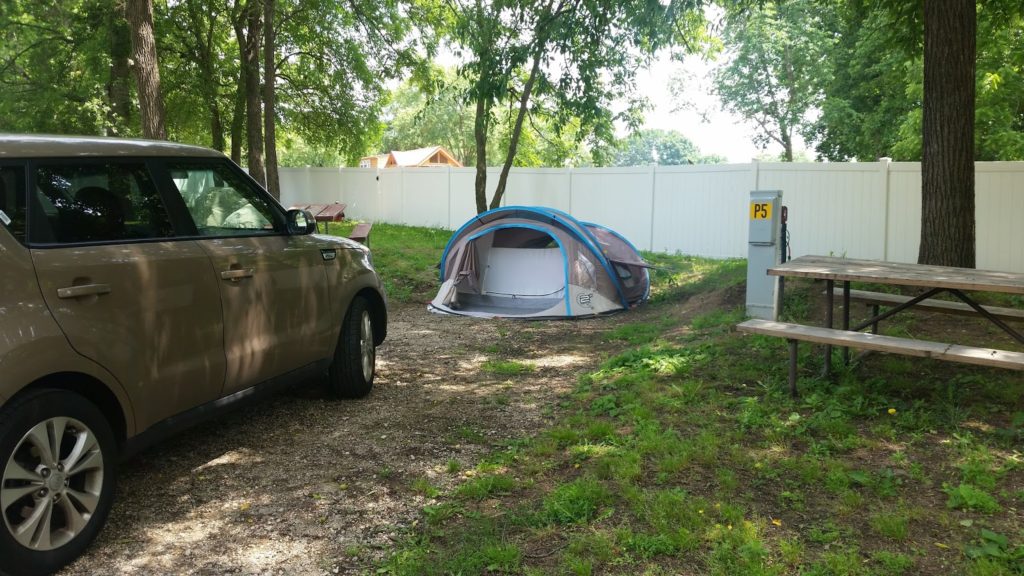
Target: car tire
58,463
352,371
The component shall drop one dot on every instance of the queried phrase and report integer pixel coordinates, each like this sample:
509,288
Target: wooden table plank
848,269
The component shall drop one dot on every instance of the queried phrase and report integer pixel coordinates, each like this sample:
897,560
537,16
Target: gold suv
145,286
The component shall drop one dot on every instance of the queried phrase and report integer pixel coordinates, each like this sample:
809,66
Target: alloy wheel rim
366,350
51,484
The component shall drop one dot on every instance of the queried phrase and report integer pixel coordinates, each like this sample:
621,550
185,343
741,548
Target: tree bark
238,119
248,34
480,135
147,72
947,166
119,115
270,98
253,103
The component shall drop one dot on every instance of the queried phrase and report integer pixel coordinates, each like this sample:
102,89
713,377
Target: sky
723,133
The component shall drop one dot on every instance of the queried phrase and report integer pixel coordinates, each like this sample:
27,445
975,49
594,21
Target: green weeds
684,453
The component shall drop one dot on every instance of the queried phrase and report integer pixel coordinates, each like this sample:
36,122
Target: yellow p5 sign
760,210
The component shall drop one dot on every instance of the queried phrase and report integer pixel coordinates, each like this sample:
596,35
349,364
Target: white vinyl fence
861,210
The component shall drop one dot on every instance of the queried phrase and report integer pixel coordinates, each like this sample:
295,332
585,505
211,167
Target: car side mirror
300,222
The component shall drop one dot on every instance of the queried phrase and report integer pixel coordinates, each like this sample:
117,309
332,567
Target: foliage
776,64
54,67
334,62
869,110
57,74
435,112
872,104
662,147
566,60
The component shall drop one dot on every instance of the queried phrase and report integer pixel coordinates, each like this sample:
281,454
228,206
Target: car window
221,201
96,202
12,200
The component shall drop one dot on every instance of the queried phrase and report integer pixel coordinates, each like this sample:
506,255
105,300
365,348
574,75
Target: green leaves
777,65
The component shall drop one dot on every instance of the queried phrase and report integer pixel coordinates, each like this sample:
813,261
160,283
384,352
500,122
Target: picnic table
958,282
334,212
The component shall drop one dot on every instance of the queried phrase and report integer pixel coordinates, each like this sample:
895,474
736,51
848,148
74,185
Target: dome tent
536,262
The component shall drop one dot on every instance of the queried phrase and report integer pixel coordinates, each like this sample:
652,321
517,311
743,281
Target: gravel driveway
305,484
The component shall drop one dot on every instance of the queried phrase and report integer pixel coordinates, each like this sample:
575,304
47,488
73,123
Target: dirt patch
305,484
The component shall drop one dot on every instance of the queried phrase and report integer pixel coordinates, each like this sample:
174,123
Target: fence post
884,171
654,183
570,168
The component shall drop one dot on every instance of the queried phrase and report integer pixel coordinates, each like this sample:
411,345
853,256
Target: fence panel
358,189
425,196
620,198
861,210
701,210
999,215
540,187
391,192
835,208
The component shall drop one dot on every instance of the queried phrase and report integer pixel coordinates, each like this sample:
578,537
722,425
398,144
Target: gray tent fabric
536,262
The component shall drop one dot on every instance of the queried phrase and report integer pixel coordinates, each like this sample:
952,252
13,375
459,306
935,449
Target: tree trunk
270,98
238,120
947,165
517,130
480,134
119,85
253,97
204,27
147,73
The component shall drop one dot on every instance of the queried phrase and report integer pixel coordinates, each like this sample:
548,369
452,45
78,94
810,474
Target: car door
127,291
273,286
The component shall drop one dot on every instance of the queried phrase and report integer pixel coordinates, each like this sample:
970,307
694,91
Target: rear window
12,200
96,202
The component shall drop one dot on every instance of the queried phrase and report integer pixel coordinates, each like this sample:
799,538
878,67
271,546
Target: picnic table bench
937,279
334,212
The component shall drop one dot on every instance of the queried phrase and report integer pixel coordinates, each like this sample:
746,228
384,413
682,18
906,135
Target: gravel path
305,484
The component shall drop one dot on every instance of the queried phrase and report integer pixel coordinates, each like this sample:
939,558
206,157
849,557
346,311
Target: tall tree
270,97
119,114
198,69
568,58
248,32
139,14
776,64
947,165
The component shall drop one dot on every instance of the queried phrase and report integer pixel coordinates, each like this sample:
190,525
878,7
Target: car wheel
351,373
58,465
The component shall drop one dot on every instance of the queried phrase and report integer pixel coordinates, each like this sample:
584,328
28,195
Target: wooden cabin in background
420,157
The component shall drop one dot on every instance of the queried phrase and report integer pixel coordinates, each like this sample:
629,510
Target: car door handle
83,290
236,274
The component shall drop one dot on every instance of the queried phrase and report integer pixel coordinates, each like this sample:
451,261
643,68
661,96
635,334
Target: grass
683,453
507,367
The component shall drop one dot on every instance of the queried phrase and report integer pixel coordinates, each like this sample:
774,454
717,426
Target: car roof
55,146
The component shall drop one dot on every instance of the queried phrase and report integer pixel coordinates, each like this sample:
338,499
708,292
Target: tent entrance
523,272
517,281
